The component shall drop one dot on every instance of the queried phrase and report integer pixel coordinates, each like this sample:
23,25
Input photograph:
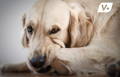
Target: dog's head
53,24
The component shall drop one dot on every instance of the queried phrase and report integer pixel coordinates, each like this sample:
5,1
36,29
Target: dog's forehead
56,12
51,12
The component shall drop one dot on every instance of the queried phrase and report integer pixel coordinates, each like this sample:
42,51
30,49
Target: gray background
11,11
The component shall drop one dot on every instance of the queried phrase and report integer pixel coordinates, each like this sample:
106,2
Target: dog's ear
25,40
81,28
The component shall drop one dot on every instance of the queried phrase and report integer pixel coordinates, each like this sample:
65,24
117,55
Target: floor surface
40,75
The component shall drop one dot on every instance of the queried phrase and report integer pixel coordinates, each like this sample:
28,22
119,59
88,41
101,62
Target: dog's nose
38,62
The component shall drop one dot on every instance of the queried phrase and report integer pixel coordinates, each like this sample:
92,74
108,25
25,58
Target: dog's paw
7,69
1,67
113,70
4,69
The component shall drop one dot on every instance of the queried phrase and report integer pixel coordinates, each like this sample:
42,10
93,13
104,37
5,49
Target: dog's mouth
38,64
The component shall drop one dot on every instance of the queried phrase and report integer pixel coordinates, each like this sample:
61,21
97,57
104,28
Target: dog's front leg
15,68
86,60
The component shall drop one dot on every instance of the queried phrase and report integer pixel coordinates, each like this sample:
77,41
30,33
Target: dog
69,37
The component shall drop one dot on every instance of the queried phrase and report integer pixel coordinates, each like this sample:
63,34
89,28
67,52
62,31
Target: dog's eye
54,30
30,29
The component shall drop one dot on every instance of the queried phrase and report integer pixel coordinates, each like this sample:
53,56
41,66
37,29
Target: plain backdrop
11,11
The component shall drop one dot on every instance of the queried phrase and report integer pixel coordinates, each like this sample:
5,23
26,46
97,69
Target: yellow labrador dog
70,37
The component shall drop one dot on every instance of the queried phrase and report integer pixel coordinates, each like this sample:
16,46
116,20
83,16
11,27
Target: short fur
92,39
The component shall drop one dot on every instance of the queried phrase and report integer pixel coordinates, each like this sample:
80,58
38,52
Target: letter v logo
105,7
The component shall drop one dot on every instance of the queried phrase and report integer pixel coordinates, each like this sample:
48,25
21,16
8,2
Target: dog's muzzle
37,63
